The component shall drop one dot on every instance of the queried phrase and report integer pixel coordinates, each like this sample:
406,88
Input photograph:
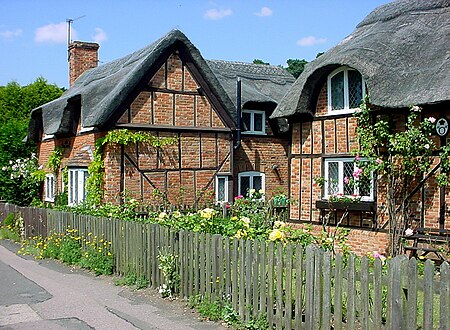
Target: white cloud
264,12
310,41
53,33
99,36
8,34
216,14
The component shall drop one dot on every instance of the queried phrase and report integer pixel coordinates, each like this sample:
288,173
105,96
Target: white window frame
347,108
251,129
226,196
341,162
77,191
251,174
50,187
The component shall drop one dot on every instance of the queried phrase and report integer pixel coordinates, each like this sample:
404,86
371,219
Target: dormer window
346,89
253,121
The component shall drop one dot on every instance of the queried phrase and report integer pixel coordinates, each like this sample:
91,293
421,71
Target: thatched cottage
169,90
399,55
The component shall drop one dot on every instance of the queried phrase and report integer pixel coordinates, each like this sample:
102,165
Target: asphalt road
48,295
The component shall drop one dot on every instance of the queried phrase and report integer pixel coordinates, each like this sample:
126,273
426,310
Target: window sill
349,206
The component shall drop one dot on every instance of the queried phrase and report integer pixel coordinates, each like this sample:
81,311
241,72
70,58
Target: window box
349,206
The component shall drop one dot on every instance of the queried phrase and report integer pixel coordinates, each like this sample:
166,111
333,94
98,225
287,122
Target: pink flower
227,206
346,180
432,120
357,173
379,161
357,157
238,197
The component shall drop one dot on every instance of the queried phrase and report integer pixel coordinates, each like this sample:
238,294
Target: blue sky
33,34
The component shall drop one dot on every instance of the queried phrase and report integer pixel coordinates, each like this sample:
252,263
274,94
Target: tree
16,103
258,61
402,157
296,66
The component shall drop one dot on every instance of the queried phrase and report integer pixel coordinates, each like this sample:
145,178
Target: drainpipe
238,113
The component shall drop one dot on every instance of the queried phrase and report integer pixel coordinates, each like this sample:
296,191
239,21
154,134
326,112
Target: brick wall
265,154
336,135
77,152
361,242
82,56
184,171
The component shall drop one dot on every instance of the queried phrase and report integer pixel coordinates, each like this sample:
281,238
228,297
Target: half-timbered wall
335,136
312,142
171,106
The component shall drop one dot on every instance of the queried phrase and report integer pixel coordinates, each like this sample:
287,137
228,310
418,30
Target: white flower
246,221
409,232
426,146
432,120
416,108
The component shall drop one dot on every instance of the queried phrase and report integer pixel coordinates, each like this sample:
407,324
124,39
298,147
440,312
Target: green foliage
216,310
12,227
16,103
54,159
401,155
296,66
21,180
132,280
167,263
95,181
90,252
258,61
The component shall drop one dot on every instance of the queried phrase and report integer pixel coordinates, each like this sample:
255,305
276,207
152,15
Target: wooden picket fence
292,286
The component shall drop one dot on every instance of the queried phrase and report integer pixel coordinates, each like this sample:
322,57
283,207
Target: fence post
309,305
396,299
444,320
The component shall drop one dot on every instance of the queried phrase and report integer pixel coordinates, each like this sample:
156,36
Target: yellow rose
276,234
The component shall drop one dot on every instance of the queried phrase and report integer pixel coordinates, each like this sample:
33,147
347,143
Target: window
49,188
251,180
346,89
342,177
221,188
254,121
77,181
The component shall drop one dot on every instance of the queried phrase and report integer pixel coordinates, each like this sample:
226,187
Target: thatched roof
101,92
401,49
260,83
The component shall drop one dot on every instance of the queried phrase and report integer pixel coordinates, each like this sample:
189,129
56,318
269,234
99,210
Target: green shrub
132,280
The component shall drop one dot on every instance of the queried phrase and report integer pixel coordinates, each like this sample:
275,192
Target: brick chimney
82,56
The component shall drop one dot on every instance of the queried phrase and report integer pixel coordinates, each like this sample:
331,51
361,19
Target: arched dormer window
346,89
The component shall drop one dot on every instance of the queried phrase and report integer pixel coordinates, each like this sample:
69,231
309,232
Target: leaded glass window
342,177
346,90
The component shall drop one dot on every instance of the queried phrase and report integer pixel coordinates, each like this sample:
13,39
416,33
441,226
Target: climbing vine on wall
55,159
95,181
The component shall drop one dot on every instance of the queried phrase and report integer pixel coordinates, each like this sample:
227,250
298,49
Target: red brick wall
174,100
361,242
265,154
186,170
76,152
336,135
83,56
